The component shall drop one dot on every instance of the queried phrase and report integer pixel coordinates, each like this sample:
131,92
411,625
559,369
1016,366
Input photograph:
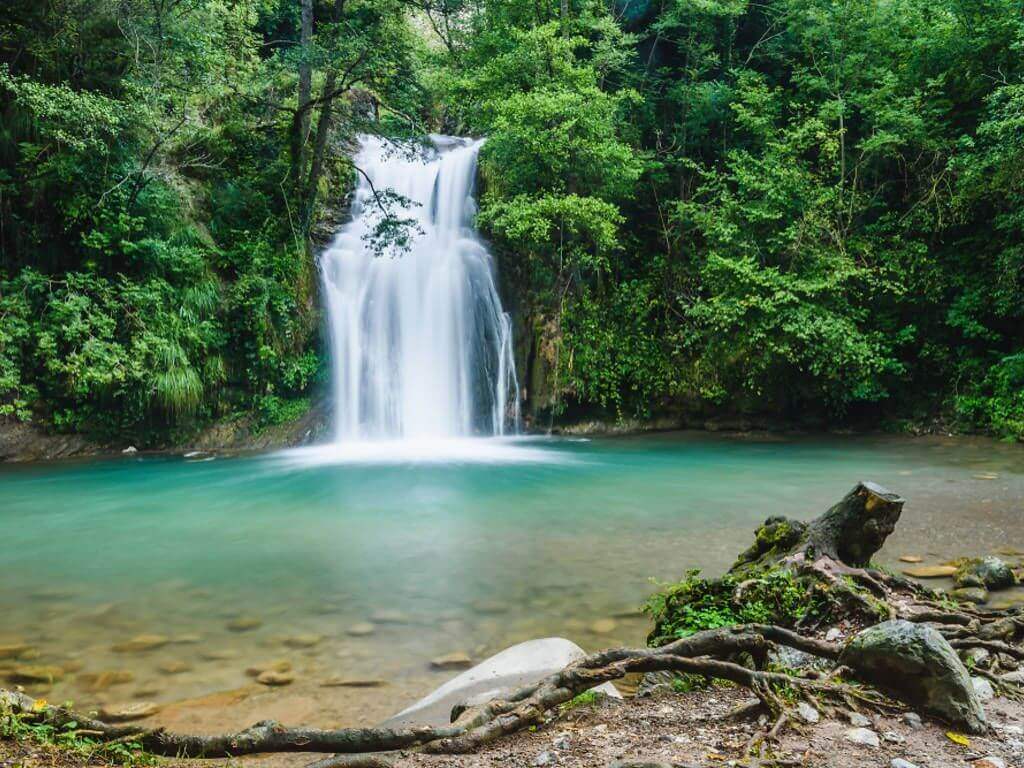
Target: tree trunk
850,532
316,167
300,123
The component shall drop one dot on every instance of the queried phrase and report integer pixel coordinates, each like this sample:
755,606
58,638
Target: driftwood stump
850,532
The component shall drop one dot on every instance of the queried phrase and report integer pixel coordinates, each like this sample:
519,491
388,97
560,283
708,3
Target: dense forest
784,206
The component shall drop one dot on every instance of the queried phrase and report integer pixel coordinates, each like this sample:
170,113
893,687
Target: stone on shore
519,665
916,663
863,736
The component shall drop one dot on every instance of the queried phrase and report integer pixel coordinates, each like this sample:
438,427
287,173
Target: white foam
467,450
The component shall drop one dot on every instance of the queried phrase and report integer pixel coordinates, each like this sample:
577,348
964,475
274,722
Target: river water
467,549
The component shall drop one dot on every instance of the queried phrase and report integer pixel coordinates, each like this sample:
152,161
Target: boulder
519,665
917,665
986,572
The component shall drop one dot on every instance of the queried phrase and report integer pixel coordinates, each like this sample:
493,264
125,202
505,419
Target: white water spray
420,344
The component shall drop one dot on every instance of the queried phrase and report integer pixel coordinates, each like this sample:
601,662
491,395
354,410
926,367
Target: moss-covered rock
915,663
986,572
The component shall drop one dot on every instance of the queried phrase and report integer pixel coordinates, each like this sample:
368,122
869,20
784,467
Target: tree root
703,653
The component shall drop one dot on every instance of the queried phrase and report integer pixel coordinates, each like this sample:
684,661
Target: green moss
774,596
585,699
22,727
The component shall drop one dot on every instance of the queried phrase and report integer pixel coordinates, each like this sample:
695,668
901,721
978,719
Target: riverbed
363,565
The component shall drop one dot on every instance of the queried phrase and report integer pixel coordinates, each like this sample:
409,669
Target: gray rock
833,634
976,656
913,720
652,682
1017,676
519,665
544,758
990,761
642,763
899,762
917,665
807,713
562,741
988,572
858,720
983,689
863,736
893,738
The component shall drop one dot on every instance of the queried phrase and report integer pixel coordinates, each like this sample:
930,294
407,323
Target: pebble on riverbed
141,644
244,624
456,660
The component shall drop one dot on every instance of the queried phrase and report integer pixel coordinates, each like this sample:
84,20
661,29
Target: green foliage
773,596
272,410
158,194
24,727
585,699
802,207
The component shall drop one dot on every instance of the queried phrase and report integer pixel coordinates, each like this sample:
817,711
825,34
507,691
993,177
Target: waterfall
420,345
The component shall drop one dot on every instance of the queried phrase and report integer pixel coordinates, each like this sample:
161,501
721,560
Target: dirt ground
690,730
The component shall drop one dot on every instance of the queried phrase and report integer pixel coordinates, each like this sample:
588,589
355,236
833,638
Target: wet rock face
918,665
985,572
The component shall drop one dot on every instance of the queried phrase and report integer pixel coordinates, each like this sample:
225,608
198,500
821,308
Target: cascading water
420,344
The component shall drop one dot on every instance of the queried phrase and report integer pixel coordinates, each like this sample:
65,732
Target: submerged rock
976,595
35,673
604,626
274,678
456,660
362,629
917,664
14,650
303,641
519,665
95,682
141,644
277,665
352,682
123,713
244,624
986,572
930,571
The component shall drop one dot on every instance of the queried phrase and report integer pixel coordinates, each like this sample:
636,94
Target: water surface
469,548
